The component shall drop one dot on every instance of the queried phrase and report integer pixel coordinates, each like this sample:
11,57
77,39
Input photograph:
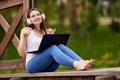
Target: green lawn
104,49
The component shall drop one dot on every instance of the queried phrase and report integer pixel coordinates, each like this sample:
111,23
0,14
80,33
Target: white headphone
29,21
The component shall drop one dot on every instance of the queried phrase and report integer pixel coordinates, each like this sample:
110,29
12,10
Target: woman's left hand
50,31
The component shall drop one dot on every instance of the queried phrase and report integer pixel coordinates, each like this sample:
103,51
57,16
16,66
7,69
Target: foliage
115,9
90,17
115,14
115,26
89,21
49,9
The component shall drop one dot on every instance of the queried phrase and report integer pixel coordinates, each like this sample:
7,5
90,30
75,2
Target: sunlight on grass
12,71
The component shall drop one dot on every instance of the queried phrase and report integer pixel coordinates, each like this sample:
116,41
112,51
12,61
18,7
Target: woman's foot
83,64
89,63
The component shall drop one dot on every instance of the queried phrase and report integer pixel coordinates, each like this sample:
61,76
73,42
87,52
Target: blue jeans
50,59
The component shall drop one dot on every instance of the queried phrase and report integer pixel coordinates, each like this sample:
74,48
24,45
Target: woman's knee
61,46
53,47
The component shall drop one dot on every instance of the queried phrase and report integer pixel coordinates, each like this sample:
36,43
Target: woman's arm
22,47
23,41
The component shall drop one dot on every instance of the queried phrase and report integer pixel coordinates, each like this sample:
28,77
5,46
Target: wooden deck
91,74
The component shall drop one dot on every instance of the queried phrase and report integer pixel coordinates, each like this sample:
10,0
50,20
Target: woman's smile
37,20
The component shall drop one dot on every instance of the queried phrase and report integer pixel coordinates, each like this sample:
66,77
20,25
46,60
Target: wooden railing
10,29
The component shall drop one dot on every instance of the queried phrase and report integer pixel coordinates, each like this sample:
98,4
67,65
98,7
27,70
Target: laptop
52,39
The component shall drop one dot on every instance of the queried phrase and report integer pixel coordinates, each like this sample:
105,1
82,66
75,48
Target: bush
115,26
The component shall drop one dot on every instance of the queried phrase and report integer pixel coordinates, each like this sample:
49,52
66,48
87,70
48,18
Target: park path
105,20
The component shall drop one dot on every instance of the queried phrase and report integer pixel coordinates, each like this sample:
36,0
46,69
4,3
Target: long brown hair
42,25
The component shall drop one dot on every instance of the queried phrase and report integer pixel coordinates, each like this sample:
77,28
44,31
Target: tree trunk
61,16
72,15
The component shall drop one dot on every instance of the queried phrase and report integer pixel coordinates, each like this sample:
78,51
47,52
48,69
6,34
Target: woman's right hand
25,31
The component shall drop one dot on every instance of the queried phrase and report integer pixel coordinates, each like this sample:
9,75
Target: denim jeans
50,59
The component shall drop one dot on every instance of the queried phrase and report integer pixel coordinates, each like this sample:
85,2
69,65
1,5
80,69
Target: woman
50,59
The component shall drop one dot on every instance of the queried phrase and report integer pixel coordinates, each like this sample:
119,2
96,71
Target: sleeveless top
33,42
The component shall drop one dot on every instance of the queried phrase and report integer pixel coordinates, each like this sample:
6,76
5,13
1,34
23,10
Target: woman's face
35,17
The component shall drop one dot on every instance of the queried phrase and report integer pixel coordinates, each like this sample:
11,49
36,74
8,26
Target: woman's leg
52,67
41,62
60,57
69,52
85,64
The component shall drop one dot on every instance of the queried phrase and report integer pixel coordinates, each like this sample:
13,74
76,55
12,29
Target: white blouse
33,42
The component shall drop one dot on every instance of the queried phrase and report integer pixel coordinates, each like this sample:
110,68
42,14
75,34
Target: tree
115,14
72,15
61,10
90,20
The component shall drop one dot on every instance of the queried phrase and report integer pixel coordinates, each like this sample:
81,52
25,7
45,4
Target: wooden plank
5,79
9,3
17,79
48,78
11,31
90,73
117,77
105,78
11,64
83,78
6,27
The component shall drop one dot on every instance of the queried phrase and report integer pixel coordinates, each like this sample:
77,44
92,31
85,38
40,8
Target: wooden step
91,74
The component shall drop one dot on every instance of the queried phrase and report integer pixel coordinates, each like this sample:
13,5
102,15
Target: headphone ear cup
43,16
29,21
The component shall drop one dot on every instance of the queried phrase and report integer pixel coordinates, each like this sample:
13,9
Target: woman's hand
25,31
50,31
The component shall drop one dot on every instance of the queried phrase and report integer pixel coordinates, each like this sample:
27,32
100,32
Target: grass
105,45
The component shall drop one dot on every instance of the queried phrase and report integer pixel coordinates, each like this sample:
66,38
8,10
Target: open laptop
52,39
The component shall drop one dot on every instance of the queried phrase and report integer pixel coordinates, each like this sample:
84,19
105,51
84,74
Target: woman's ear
29,21
43,16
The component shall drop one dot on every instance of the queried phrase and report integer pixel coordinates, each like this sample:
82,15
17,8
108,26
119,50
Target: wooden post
10,28
11,31
31,3
26,5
